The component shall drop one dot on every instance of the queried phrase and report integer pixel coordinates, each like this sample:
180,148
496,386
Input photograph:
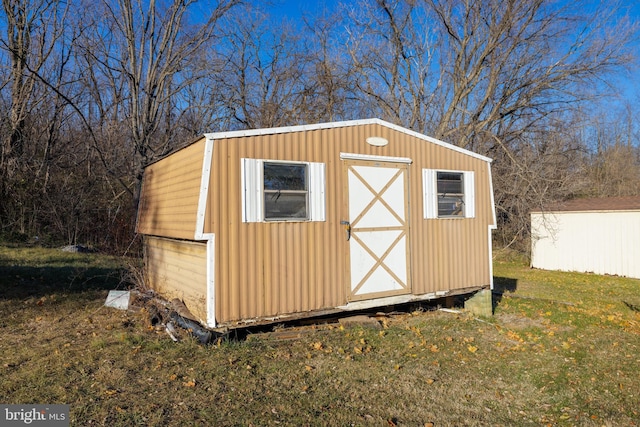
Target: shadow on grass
500,286
22,282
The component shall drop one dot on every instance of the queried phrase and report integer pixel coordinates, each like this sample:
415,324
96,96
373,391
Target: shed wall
177,269
595,242
275,268
171,189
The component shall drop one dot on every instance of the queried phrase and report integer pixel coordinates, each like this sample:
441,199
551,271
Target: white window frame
430,193
252,188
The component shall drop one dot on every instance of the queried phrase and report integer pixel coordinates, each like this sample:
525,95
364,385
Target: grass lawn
561,349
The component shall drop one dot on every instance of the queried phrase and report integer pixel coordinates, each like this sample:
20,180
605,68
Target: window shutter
251,190
317,208
469,195
429,193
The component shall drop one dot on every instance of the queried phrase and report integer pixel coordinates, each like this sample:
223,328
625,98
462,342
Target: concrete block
118,299
480,304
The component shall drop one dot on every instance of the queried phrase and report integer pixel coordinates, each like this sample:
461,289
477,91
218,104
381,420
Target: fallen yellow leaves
362,349
514,336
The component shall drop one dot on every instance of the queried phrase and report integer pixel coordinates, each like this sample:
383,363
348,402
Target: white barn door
377,194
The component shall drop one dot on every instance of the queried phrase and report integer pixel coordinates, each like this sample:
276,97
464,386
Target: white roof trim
494,223
332,125
209,237
591,211
204,190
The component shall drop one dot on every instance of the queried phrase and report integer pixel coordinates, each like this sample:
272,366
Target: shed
588,235
266,225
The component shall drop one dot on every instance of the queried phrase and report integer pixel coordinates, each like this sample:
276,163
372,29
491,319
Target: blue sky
294,9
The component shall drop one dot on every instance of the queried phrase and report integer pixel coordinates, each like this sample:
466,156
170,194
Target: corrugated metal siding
177,269
170,193
270,269
594,242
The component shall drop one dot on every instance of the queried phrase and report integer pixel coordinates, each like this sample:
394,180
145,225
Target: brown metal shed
269,224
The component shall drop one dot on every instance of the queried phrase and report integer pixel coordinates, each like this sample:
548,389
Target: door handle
347,228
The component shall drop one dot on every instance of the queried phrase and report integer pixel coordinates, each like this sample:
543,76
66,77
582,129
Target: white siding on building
178,269
601,242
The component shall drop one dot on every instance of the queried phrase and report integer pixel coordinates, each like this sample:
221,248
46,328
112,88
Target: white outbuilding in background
599,236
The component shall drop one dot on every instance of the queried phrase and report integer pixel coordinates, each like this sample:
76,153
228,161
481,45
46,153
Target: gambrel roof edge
331,125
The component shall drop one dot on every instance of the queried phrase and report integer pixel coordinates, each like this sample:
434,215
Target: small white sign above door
377,141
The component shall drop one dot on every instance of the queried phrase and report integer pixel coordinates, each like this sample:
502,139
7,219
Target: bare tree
90,102
513,63
144,49
37,44
263,77
460,69
33,29
494,76
392,47
90,97
614,162
330,79
280,73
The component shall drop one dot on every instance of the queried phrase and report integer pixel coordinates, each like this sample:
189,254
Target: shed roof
330,125
320,126
628,203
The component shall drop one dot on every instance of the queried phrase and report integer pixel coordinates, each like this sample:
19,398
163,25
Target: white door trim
371,157
378,214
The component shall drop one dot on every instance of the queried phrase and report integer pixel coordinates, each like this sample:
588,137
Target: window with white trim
275,190
448,194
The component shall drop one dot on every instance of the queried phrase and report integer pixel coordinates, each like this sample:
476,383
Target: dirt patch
514,321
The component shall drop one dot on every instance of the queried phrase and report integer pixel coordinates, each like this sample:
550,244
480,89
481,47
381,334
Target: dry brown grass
536,362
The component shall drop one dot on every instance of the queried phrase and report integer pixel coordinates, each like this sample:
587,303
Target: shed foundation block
480,304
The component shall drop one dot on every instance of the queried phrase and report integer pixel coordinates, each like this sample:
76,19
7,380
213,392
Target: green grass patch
561,349
41,272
